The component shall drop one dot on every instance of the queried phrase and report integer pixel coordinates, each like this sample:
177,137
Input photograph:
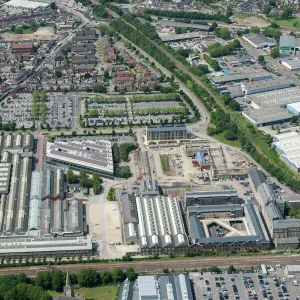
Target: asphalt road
154,266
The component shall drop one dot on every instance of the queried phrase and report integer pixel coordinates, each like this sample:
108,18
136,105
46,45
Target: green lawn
109,292
221,139
292,23
164,159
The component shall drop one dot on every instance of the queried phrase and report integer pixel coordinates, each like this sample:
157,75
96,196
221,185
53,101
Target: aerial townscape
150,149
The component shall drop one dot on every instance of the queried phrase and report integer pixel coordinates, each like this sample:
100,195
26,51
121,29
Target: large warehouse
259,40
266,85
292,65
288,145
288,42
92,156
269,108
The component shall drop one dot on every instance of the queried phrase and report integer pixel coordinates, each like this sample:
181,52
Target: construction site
197,161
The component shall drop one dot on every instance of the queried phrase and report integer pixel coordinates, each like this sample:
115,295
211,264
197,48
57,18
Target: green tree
261,59
57,280
130,274
117,275
231,269
58,73
274,52
88,277
267,9
106,277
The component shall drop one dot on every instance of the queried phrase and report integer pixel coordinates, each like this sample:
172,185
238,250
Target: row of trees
212,62
186,15
100,99
183,110
21,287
39,96
216,50
156,98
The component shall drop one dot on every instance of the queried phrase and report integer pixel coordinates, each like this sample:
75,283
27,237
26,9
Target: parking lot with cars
245,285
18,109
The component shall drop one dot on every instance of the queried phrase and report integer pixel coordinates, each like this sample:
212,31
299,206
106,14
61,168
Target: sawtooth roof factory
33,206
272,107
92,156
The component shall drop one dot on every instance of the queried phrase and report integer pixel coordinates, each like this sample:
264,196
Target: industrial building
161,227
288,43
47,246
294,108
288,146
270,108
259,40
266,85
215,211
15,181
292,270
211,198
251,235
92,156
283,231
130,219
157,287
241,75
292,65
26,4
166,132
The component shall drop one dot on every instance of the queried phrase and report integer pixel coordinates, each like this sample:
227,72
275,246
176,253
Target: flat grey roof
258,38
268,83
181,24
214,208
27,245
181,36
158,128
86,154
287,223
210,194
287,41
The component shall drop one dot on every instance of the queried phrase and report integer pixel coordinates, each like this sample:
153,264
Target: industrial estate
140,132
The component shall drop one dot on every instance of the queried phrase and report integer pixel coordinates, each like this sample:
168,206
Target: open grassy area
291,23
164,159
252,20
221,139
109,292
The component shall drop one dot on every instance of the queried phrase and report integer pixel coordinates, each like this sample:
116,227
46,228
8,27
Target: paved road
149,266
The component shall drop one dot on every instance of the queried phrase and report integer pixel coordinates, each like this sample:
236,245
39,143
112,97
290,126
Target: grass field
109,292
291,23
221,139
252,20
164,159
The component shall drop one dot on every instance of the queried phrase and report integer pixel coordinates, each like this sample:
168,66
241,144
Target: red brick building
27,48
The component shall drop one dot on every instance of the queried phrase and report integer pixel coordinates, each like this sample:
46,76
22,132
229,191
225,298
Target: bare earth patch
43,33
251,20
